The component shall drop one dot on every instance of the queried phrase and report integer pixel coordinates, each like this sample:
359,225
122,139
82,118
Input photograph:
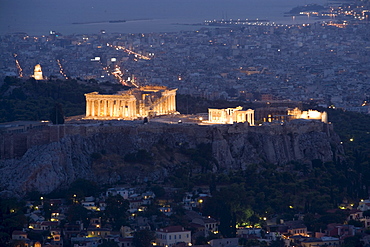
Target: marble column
104,108
87,108
120,111
173,103
129,109
132,109
165,105
92,108
114,108
110,108
169,104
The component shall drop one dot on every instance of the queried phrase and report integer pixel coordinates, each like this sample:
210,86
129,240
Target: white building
124,192
210,225
364,205
172,235
224,242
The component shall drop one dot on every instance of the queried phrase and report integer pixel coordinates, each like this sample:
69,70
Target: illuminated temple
238,115
231,115
146,101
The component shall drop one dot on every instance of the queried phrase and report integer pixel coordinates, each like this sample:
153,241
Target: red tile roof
173,229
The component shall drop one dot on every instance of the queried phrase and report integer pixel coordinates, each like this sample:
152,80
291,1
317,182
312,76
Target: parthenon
146,101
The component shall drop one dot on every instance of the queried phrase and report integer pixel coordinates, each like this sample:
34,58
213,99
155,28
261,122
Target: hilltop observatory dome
37,72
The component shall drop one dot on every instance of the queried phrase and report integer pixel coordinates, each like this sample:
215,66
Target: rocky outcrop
57,164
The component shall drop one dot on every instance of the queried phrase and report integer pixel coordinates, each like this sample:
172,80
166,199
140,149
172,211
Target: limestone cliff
58,163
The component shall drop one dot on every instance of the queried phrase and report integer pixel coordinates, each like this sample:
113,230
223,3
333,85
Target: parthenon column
105,107
92,108
173,105
88,108
111,108
115,108
132,109
99,107
128,108
123,107
120,109
174,102
165,105
169,105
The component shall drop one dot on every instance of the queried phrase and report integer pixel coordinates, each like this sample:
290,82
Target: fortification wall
13,145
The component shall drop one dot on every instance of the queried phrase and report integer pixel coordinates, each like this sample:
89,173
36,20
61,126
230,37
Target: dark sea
38,17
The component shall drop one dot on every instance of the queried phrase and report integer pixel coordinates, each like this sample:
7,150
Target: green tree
4,239
116,210
82,188
143,238
352,242
77,212
158,190
366,213
277,243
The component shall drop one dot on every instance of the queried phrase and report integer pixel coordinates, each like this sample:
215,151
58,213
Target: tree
158,190
352,242
356,223
254,219
143,238
116,210
4,238
277,243
82,188
366,213
57,114
77,212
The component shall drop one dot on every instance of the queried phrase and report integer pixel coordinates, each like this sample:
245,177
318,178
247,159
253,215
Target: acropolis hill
58,155
144,121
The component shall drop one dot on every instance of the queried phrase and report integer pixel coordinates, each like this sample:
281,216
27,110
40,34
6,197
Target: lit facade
147,101
172,235
37,73
231,115
310,114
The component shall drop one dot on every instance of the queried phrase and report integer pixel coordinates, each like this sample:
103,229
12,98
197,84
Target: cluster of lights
235,22
128,51
20,70
61,70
